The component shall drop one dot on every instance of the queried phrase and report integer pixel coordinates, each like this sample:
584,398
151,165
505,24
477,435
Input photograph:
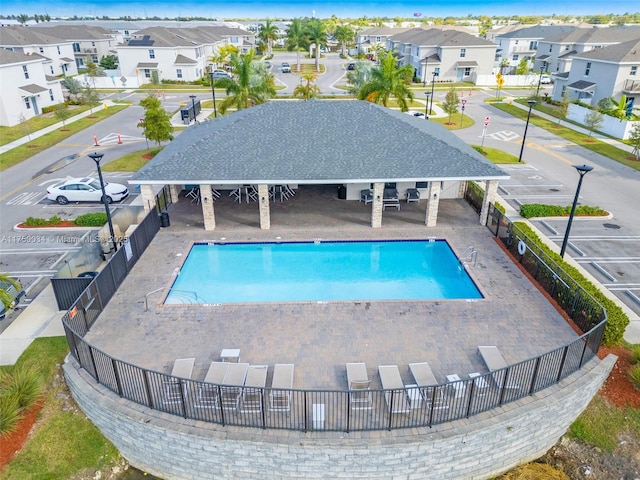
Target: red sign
486,121
464,101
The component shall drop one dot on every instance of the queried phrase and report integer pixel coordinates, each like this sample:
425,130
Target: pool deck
320,338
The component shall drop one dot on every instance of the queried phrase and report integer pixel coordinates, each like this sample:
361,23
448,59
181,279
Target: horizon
236,9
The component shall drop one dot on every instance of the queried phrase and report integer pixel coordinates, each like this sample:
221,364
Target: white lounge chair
233,382
175,390
359,384
208,393
395,394
253,390
426,381
280,400
496,364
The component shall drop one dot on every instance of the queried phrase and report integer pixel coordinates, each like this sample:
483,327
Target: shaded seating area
366,195
426,381
497,365
253,390
395,394
390,199
359,386
413,195
175,389
208,394
280,400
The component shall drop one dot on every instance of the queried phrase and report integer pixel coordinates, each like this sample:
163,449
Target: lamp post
426,107
97,157
539,82
582,170
193,105
524,135
213,93
424,77
433,84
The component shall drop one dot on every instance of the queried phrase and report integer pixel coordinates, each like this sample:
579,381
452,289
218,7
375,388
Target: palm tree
317,34
388,79
23,18
252,85
268,33
5,297
296,38
344,34
359,76
307,90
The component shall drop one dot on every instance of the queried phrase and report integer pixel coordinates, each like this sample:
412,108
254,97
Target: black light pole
433,84
539,82
426,107
582,170
213,92
97,157
424,77
193,105
524,135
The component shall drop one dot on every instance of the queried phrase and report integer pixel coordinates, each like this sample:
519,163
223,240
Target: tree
22,18
317,35
307,90
388,79
344,34
94,71
62,113
73,87
296,38
451,102
90,97
523,67
563,107
223,54
109,62
634,140
5,297
156,124
250,86
504,65
621,109
593,120
268,33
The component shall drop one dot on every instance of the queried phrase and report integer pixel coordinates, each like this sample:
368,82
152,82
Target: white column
174,192
206,200
433,199
265,211
376,205
490,192
148,197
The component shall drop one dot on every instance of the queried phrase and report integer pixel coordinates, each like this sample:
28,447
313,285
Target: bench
459,388
496,364
395,394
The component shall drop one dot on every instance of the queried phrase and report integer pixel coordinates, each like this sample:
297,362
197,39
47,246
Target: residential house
373,37
26,86
58,53
159,53
89,42
446,53
601,73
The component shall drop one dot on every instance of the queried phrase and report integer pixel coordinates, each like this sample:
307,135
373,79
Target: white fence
509,80
611,126
112,80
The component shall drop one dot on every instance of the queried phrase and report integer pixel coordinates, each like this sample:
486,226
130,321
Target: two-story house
26,86
89,42
375,36
448,53
601,73
57,52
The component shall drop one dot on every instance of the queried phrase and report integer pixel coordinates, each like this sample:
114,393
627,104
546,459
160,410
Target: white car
545,79
216,74
85,190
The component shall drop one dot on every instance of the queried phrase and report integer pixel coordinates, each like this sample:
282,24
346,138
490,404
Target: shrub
530,210
35,222
91,220
55,220
9,413
25,385
634,376
635,354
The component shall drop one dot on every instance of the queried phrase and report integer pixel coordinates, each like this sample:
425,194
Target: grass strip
37,145
496,156
132,162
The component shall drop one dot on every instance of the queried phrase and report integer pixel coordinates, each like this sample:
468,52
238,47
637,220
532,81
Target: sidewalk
51,128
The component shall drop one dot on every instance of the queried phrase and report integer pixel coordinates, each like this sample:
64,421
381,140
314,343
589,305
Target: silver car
85,190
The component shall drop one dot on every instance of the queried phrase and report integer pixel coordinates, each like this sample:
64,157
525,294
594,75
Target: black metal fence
335,410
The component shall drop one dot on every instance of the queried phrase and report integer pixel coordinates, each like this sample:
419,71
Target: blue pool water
325,271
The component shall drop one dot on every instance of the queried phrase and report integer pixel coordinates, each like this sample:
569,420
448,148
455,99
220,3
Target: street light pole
426,107
97,157
524,135
582,170
213,93
539,82
424,77
433,84
193,105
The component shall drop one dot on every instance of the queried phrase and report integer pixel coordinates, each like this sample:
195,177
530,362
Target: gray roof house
350,143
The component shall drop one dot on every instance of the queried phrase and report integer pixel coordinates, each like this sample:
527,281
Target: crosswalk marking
26,198
503,135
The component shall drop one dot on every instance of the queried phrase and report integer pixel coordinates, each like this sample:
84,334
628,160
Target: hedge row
86,220
530,210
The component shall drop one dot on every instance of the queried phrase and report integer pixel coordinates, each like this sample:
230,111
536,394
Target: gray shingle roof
77,32
627,52
582,85
440,37
605,35
32,88
25,36
8,57
316,142
183,59
538,31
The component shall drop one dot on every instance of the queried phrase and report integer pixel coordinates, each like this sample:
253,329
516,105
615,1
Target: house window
147,73
378,39
126,32
463,52
422,184
566,47
515,58
94,59
467,71
51,95
587,70
152,54
550,47
51,68
25,71
93,44
76,47
41,50
233,39
634,71
58,50
27,103
436,71
179,72
533,45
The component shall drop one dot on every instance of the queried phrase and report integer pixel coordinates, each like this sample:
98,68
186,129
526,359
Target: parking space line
549,227
603,271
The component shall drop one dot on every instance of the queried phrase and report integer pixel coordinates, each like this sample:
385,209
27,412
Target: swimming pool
216,273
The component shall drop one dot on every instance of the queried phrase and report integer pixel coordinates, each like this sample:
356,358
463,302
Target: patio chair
366,195
390,199
395,394
359,384
208,393
497,365
233,382
280,400
426,381
253,390
194,195
175,388
413,195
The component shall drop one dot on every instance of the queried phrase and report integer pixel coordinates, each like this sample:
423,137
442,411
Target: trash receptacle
164,219
342,192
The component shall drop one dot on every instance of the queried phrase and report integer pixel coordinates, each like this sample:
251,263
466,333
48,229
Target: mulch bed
62,224
12,443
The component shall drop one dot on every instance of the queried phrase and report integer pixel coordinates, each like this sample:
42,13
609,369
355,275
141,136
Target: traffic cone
95,141
462,93
469,92
119,139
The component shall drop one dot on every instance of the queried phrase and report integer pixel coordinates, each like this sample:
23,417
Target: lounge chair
359,384
496,364
280,400
395,394
175,389
480,385
390,199
426,381
233,382
413,195
253,390
459,387
208,393
366,195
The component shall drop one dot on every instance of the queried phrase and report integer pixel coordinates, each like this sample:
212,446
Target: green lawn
496,156
132,162
37,145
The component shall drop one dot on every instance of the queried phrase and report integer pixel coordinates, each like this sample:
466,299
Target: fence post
535,375
584,350
471,392
306,413
93,362
564,357
182,399
348,411
221,406
147,387
503,387
262,407
390,409
433,401
117,376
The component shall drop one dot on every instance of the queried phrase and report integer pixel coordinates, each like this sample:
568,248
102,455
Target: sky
307,8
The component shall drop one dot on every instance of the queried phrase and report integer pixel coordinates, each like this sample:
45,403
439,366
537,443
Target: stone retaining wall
479,447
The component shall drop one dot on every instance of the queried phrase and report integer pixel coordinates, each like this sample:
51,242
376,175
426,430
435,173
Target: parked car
545,79
216,74
286,68
351,66
15,294
85,190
